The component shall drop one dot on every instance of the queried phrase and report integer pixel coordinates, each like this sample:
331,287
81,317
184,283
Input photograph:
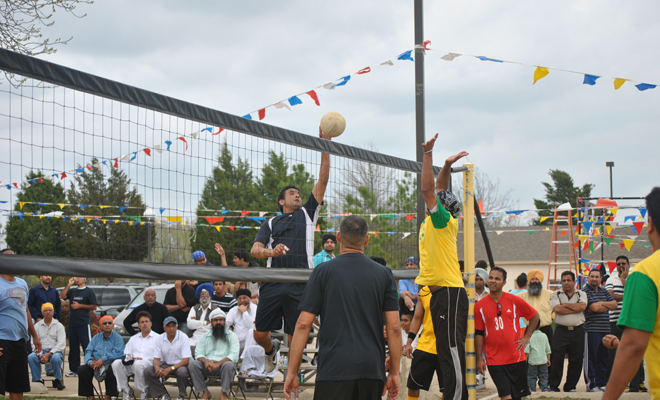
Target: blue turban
413,260
204,286
198,254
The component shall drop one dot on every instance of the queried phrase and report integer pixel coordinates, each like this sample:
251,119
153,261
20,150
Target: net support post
468,259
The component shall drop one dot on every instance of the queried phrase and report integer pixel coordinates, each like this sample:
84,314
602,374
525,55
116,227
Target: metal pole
468,257
419,104
149,245
611,193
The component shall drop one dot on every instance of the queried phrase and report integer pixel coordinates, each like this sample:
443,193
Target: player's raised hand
456,157
428,146
219,250
322,136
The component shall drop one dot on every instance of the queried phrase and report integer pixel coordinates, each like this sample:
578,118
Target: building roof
521,246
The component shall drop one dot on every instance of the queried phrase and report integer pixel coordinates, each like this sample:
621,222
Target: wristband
412,336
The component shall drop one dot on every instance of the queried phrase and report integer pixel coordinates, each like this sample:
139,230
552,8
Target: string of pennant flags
540,72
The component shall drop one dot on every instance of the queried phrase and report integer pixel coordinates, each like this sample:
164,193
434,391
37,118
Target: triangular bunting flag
282,104
318,228
388,62
231,227
244,213
638,227
499,232
563,233
184,141
540,73
644,86
406,234
450,56
590,79
147,151
294,100
406,55
195,134
262,213
611,265
217,228
607,240
364,71
262,114
409,217
618,82
218,132
628,243
605,203
587,226
530,232
613,211
248,116
343,82
158,149
214,220
314,97
591,246
543,219
642,212
21,203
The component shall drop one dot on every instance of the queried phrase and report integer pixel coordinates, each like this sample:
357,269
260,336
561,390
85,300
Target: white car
136,301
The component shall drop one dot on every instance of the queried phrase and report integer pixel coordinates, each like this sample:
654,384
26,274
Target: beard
535,288
219,331
204,301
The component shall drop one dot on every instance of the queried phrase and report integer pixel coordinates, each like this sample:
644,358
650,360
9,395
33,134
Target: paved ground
488,393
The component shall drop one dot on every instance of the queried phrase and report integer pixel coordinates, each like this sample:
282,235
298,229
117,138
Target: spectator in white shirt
480,279
52,335
198,318
138,356
172,356
240,319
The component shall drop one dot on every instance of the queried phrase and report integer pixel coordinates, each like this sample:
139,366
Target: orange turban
535,273
106,318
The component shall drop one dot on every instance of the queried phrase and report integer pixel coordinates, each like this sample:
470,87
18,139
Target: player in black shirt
287,241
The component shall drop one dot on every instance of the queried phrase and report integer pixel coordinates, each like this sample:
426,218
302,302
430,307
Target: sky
238,57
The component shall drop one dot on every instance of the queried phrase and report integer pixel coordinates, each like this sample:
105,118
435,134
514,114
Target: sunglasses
622,264
499,310
107,323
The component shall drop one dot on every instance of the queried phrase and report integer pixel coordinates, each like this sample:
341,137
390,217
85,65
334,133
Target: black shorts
422,367
510,379
14,374
278,300
356,389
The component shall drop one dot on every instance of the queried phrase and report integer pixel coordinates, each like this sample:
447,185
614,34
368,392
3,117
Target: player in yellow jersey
425,358
640,316
439,270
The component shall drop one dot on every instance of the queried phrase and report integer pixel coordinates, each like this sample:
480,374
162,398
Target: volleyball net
95,169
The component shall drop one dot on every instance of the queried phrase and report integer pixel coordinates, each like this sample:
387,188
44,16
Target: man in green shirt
216,355
640,316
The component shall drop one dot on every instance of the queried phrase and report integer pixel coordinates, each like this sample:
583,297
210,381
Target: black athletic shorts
422,367
357,389
14,374
510,379
278,300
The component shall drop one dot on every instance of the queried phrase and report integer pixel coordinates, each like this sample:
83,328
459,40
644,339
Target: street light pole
420,136
610,164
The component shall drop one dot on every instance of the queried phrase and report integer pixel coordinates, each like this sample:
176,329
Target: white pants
122,372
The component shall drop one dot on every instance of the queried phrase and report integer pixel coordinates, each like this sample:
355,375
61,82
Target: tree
230,187
562,190
31,235
21,24
488,191
110,238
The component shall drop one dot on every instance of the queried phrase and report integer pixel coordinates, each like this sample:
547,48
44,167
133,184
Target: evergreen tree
230,187
37,236
562,190
118,234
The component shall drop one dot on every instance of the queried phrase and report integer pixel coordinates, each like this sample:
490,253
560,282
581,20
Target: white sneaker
269,361
596,390
144,395
126,394
71,374
602,388
165,397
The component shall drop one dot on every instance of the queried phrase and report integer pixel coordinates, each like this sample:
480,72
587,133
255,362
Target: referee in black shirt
287,241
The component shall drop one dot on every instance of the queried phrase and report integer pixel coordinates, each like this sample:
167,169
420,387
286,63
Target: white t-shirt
241,322
142,347
174,352
614,283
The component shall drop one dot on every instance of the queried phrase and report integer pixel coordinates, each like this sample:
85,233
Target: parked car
160,290
112,298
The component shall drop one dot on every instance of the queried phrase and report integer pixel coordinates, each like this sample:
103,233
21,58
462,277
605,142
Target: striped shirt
597,322
614,283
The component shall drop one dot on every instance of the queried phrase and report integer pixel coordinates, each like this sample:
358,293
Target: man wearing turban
539,298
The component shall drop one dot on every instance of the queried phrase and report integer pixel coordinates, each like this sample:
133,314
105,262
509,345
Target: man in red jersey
498,334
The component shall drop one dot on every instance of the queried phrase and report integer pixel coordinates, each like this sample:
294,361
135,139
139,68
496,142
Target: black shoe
40,381
555,389
50,373
57,384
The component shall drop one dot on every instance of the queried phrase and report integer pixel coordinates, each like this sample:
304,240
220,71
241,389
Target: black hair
653,206
143,314
461,265
521,280
242,254
563,274
327,236
353,230
481,264
403,308
624,257
379,260
281,195
596,269
502,270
